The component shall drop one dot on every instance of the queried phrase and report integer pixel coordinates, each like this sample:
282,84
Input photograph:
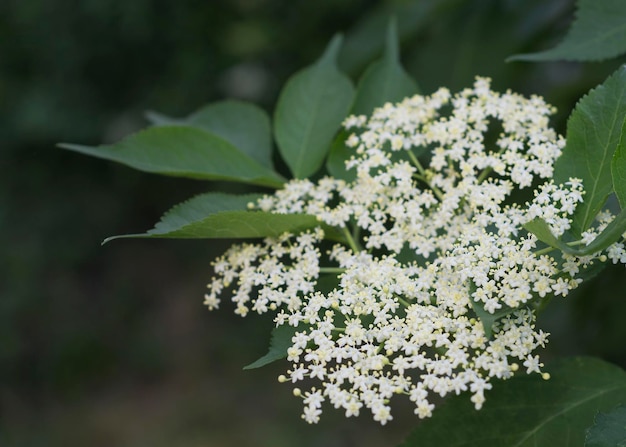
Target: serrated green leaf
183,151
384,80
240,224
186,217
225,216
309,112
599,32
242,124
528,411
608,430
593,133
279,343
618,168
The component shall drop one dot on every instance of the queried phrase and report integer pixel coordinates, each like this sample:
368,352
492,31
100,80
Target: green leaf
186,219
159,119
337,157
541,229
364,41
309,112
183,151
488,319
242,124
593,132
611,234
279,343
599,32
527,411
384,80
240,224
225,216
608,430
618,168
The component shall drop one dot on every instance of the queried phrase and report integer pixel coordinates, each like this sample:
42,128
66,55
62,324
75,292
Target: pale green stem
544,251
485,172
547,250
575,243
337,270
350,240
405,303
417,164
422,172
356,231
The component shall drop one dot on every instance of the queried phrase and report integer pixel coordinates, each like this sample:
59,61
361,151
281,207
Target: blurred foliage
111,345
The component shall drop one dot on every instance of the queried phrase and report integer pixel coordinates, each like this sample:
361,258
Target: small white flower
442,244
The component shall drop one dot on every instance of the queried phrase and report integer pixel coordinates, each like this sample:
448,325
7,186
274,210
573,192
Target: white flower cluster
433,243
280,272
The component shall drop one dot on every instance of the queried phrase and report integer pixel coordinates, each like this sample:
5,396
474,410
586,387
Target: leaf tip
514,58
108,239
69,146
332,50
392,45
124,236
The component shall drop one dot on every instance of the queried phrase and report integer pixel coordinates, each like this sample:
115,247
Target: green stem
422,172
575,243
350,240
544,251
417,164
337,270
356,231
404,302
485,172
547,250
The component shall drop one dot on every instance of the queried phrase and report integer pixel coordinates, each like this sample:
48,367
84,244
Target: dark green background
111,345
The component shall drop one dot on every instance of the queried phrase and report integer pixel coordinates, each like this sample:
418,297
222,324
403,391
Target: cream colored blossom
435,240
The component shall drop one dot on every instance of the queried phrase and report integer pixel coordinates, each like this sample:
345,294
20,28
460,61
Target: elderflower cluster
436,281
